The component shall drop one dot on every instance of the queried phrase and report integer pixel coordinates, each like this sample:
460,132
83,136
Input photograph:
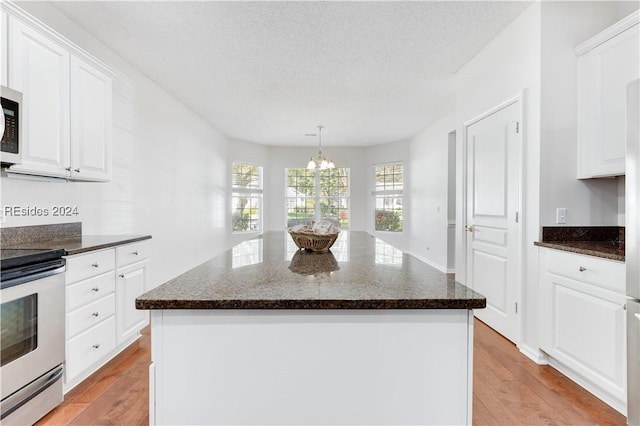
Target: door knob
468,228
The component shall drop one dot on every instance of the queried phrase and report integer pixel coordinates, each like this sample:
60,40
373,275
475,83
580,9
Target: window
388,197
317,194
246,199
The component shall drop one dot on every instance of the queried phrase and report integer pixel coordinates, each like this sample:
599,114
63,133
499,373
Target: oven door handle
27,393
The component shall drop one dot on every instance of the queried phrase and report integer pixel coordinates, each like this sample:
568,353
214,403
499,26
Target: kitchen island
267,334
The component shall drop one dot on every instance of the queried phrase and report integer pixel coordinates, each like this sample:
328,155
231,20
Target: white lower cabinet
86,349
130,283
101,318
583,321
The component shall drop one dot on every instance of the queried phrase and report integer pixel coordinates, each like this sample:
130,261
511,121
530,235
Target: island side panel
311,367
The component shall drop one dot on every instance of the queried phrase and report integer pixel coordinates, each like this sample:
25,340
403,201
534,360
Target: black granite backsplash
582,233
601,241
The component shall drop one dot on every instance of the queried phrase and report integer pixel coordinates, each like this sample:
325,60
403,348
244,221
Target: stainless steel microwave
11,152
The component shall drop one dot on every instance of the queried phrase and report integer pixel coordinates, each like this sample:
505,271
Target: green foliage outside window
246,197
388,220
388,197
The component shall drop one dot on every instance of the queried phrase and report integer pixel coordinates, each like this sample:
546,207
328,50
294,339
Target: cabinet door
89,347
584,329
130,283
39,68
604,72
90,122
4,32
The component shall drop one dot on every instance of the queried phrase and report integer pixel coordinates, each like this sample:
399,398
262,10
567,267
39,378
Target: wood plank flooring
509,389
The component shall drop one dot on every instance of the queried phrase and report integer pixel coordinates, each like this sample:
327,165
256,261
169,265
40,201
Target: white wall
565,25
169,171
507,67
429,165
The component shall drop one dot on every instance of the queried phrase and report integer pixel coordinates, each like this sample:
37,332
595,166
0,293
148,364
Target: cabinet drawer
88,291
87,348
90,315
603,273
132,253
89,265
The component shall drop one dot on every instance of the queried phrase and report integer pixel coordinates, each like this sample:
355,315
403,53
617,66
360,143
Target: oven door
32,331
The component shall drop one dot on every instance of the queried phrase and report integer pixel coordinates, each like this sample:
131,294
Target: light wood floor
509,389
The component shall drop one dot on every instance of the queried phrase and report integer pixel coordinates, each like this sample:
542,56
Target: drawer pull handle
95,265
135,253
121,275
95,314
582,269
96,346
95,289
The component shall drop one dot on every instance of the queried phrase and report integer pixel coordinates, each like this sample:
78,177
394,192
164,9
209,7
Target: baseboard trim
430,263
534,354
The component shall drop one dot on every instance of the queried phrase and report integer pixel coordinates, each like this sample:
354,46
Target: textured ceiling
269,72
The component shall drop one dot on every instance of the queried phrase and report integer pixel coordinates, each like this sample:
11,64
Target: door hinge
516,307
517,127
517,217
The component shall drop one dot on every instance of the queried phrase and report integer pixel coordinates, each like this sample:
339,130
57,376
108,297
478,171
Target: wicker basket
312,241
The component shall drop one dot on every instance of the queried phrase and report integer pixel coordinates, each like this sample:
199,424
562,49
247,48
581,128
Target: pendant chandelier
320,161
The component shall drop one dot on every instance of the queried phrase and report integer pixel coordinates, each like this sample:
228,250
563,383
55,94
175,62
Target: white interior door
492,237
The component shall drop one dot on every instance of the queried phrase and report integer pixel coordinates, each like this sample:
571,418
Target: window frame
390,193
250,192
317,196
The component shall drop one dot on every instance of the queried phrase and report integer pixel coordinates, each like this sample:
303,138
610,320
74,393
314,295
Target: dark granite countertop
268,272
601,241
82,244
604,249
61,236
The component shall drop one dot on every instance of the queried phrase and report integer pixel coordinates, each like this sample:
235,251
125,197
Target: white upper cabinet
66,101
606,63
91,122
39,68
4,23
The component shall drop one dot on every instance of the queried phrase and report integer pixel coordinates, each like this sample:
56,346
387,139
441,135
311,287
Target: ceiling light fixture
320,161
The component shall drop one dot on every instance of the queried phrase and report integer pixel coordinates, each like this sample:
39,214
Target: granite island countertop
268,272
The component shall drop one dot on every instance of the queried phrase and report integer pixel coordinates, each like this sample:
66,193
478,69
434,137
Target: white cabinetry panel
90,264
132,253
607,63
88,291
39,68
130,283
583,321
90,315
89,347
4,32
101,316
66,100
588,328
91,122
